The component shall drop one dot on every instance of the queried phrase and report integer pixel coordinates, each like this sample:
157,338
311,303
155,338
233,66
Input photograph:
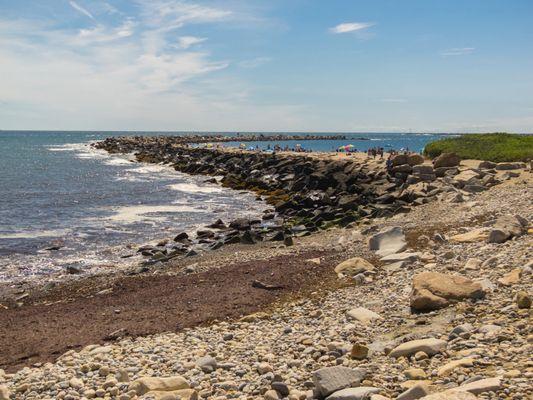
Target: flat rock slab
433,290
473,236
450,395
362,315
481,386
388,241
430,346
359,393
353,266
401,257
332,379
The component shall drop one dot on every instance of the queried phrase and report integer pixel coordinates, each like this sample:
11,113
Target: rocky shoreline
308,193
434,303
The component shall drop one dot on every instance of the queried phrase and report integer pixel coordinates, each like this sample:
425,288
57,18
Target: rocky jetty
251,137
307,192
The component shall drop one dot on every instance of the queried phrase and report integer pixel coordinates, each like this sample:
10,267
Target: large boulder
446,160
424,169
465,176
400,159
506,227
414,159
430,346
487,165
331,379
152,384
388,241
505,166
434,290
353,266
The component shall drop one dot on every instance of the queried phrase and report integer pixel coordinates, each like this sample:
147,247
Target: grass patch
496,147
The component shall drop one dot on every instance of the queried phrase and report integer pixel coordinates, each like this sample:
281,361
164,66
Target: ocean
57,191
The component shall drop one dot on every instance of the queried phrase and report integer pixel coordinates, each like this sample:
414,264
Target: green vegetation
496,147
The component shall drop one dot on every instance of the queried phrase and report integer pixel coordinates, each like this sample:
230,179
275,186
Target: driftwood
261,285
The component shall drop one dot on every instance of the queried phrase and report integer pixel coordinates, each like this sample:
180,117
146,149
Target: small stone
264,368
272,395
523,300
359,352
75,383
207,364
415,374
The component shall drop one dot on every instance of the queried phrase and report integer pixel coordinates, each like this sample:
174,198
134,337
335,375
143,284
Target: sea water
56,191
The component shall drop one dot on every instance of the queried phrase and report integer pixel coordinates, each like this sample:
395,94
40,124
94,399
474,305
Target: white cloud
254,62
168,15
457,51
81,9
350,27
184,42
100,33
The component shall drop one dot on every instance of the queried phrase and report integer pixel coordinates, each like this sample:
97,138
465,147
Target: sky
258,65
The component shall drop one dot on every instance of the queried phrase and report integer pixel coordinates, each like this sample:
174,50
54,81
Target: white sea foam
33,234
130,214
117,161
150,169
194,188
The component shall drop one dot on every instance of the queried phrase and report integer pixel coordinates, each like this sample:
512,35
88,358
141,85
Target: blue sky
277,65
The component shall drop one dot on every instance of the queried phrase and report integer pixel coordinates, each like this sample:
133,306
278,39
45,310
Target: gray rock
388,241
506,227
401,257
331,379
207,364
416,392
504,166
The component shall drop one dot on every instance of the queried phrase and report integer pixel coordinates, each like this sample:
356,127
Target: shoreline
268,286
149,316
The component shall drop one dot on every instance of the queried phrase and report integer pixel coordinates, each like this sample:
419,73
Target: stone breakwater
220,138
308,192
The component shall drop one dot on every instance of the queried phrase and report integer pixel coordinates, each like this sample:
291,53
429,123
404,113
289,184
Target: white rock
359,393
388,241
429,346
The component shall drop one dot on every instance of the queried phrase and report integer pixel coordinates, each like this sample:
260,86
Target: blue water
55,190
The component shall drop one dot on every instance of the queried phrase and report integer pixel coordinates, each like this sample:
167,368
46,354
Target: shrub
496,147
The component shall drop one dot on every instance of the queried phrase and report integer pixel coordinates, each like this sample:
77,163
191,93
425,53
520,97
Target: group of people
375,151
